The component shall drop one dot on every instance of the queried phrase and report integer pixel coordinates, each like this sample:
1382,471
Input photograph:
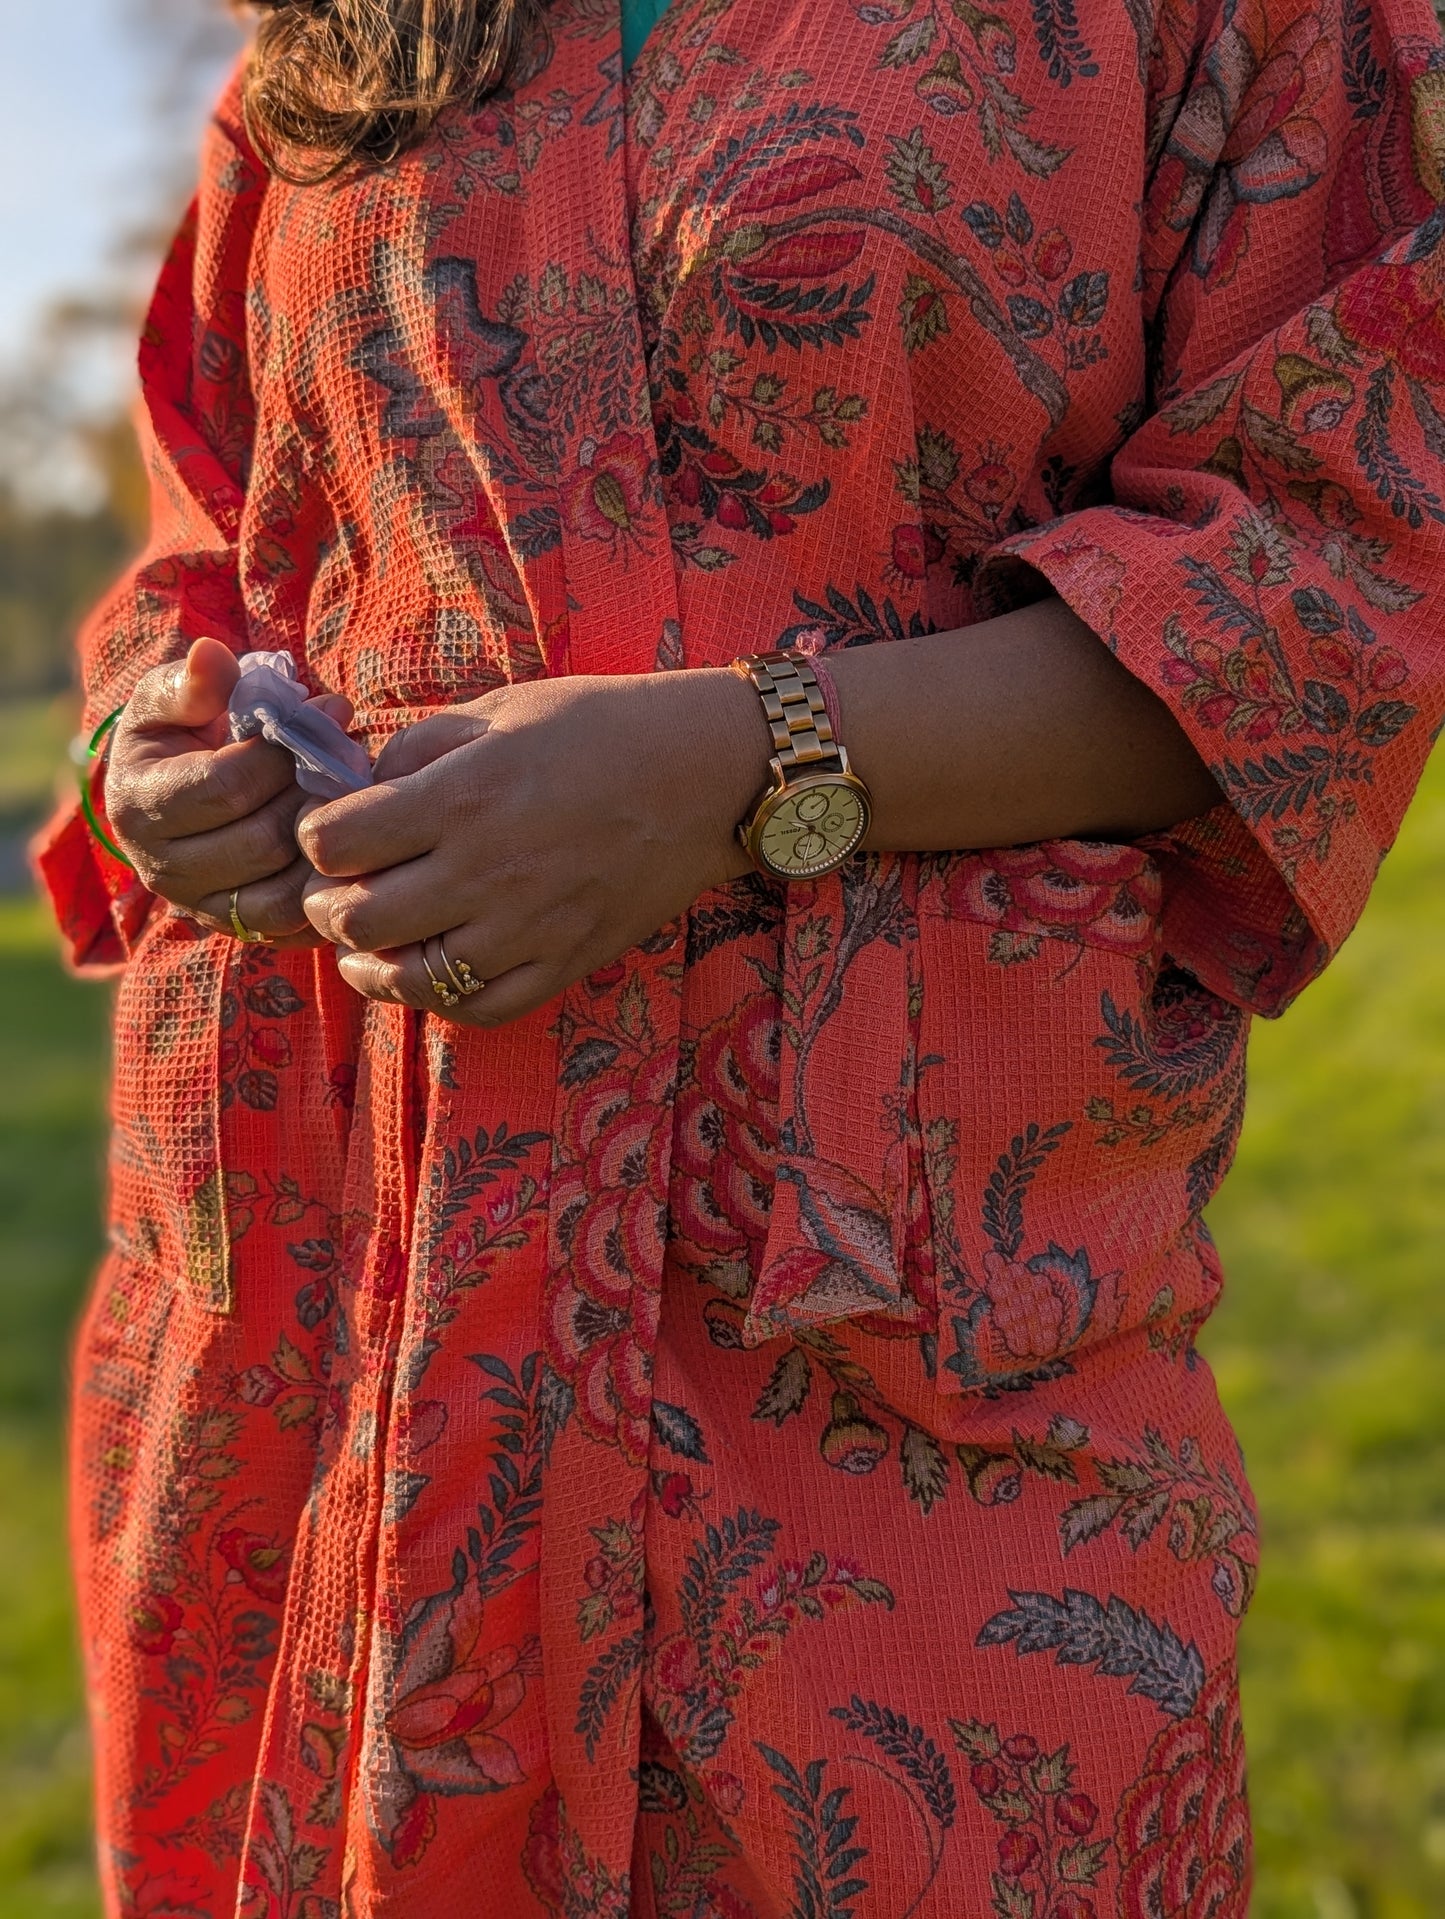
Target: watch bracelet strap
796,708
828,687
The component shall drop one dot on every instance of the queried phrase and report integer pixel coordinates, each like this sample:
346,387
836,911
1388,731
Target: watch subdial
811,831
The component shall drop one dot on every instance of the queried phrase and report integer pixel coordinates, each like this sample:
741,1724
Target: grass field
1330,1351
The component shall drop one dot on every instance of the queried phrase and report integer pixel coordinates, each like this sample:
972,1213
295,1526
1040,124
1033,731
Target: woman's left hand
543,829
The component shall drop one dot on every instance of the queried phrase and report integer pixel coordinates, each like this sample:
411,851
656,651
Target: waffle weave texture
732,1444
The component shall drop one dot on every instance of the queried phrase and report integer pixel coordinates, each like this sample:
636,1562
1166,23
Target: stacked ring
461,975
439,986
239,926
460,981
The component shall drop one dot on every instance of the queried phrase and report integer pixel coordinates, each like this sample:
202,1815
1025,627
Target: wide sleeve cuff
1299,708
99,903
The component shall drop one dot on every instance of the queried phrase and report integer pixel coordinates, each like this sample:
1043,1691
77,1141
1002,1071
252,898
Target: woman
661,1387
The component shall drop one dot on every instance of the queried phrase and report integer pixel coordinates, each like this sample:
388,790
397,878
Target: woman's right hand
201,816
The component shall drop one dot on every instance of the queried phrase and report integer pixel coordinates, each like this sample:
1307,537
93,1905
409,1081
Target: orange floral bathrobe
732,1444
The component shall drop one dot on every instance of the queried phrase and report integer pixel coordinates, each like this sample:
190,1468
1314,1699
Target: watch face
811,829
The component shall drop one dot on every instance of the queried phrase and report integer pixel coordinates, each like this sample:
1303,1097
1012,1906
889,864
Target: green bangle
87,804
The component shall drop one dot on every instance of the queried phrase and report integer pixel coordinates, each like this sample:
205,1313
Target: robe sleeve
1271,559
195,423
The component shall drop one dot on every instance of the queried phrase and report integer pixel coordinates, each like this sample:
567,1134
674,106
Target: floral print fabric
733,1443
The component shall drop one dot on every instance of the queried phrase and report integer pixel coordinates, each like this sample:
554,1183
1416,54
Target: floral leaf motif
1062,46
1407,497
1085,299
1120,1641
728,1553
1011,1899
515,1476
918,178
586,1060
1142,1518
1204,405
1031,318
1081,1864
1042,1456
776,302
1036,157
1278,784
803,177
1428,416
911,1750
910,43
1220,602
985,223
1189,1042
787,1389
1317,610
1085,1519
924,1466
1209,1514
1273,440
855,622
1013,949
1323,332
259,1089
1003,1204
678,1431
1380,723
1325,707
922,312
472,1165
1365,78
974,1738
274,998
752,907
825,1879
606,1679
845,1223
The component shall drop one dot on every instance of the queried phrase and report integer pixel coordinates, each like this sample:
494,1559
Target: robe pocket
1078,1099
954,1032
166,1173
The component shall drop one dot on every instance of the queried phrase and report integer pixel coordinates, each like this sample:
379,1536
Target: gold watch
817,809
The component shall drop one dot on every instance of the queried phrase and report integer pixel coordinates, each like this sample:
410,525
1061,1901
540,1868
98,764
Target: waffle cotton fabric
733,1442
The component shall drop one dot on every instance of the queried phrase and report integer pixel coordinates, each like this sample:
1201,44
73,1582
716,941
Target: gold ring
439,986
461,975
240,928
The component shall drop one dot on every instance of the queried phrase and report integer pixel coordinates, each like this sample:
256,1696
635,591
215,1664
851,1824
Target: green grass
52,1045
1330,1351
34,736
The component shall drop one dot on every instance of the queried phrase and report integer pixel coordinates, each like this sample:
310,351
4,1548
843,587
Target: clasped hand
542,829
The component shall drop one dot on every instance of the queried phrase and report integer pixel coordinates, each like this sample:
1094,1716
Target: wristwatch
817,809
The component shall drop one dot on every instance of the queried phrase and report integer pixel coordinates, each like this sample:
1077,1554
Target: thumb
336,706
429,740
192,694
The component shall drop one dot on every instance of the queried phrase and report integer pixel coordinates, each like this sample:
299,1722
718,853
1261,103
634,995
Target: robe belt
835,1249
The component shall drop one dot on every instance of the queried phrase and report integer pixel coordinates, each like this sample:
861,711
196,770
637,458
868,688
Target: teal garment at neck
639,17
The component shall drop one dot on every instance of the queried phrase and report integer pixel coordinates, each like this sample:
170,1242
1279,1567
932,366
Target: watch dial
811,831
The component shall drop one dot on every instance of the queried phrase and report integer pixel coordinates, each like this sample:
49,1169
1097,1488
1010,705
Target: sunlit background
1330,1349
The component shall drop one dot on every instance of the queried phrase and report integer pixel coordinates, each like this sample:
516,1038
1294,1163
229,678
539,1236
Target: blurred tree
72,496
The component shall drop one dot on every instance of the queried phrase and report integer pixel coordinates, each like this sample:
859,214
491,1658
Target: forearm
1017,729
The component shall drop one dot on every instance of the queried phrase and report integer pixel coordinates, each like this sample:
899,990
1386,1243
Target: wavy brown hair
331,82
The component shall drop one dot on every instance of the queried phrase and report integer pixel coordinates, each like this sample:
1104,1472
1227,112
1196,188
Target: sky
78,150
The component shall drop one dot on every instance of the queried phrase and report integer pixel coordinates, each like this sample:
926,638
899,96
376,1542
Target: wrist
723,750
